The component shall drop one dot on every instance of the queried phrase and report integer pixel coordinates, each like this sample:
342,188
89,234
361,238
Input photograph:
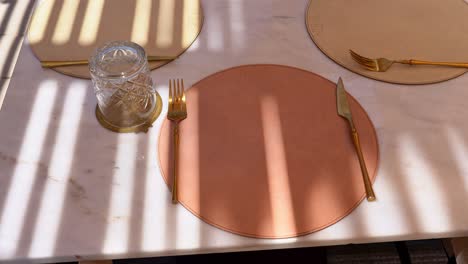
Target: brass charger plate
263,152
71,30
139,128
431,30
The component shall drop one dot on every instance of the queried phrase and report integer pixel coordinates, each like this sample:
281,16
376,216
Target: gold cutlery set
177,112
377,65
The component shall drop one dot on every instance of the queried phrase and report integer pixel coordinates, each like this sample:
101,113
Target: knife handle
367,183
53,64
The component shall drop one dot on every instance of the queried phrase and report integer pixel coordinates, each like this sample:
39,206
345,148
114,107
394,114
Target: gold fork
383,64
176,113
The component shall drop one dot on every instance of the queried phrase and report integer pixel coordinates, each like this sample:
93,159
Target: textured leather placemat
71,30
264,154
431,30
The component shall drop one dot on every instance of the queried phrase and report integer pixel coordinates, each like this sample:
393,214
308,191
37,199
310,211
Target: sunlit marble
71,190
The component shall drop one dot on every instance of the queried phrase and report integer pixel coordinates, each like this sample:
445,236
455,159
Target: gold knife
53,64
345,112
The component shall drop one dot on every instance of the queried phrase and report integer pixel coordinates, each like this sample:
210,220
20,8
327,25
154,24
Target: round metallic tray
139,128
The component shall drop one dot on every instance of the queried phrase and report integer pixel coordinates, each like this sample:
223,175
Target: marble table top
71,190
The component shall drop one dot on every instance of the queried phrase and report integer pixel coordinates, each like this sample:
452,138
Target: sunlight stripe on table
165,30
237,23
157,193
191,157
459,148
141,22
40,20
190,8
387,200
91,22
277,167
24,176
186,229
50,209
118,220
419,177
65,23
214,26
4,84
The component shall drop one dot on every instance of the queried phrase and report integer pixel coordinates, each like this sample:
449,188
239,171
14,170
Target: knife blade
342,103
344,111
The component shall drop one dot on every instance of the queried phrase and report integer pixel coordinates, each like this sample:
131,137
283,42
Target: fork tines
176,94
367,63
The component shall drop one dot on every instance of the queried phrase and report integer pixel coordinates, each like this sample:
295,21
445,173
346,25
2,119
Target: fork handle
365,176
419,62
175,161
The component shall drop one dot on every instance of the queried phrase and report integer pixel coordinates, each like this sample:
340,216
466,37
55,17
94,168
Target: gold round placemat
263,152
431,30
71,30
139,128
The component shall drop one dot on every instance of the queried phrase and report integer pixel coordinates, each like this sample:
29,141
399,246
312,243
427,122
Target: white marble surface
71,190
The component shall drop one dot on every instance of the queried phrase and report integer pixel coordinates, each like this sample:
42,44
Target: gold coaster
139,128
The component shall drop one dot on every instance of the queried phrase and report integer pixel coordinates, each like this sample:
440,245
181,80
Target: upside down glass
123,87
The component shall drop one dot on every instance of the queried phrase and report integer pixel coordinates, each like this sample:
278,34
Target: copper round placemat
264,154
71,30
430,30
